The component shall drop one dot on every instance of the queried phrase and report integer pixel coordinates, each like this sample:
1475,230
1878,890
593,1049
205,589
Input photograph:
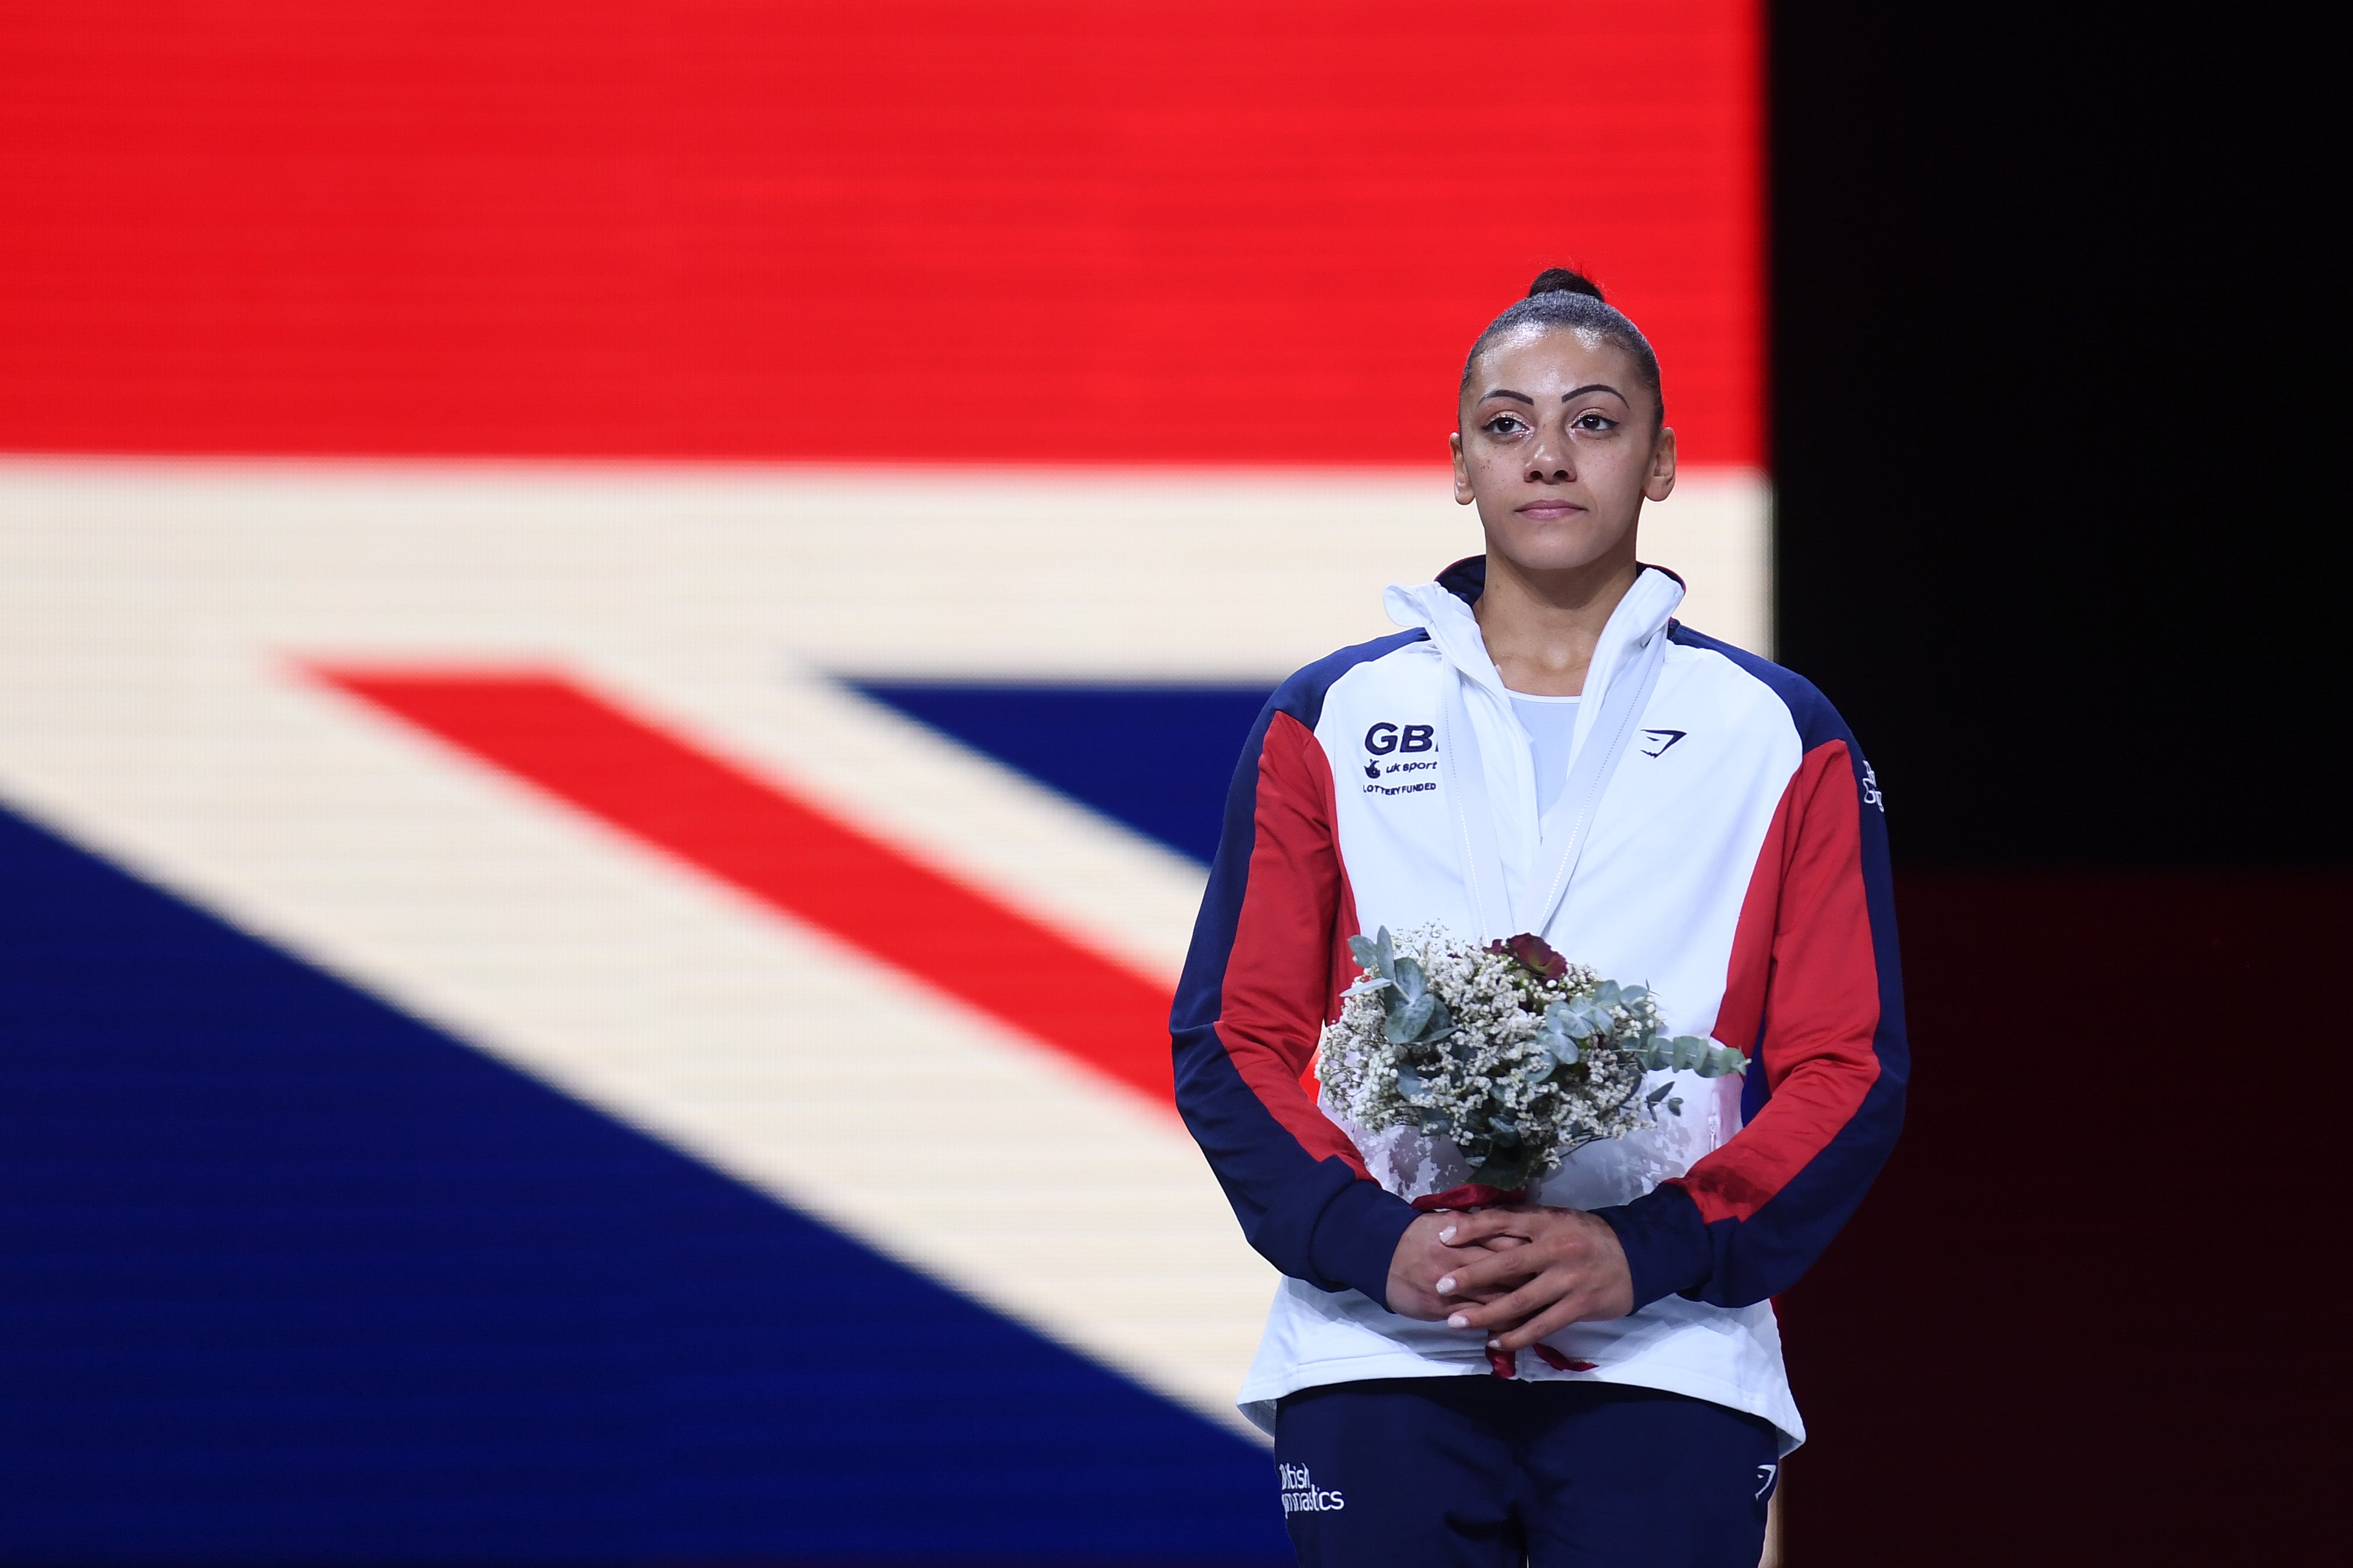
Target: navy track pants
1490,1472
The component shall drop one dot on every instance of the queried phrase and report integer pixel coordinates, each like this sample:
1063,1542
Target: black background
2051,422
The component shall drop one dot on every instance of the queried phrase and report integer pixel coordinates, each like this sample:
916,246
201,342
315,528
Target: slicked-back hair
1562,298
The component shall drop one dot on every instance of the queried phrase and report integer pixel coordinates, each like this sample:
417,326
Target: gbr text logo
1384,738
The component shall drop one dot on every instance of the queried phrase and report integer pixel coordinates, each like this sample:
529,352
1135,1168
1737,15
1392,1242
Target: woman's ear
1660,483
1462,496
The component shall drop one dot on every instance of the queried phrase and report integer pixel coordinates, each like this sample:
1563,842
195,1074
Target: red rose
1534,952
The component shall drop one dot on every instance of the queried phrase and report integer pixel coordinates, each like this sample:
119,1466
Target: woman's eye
1504,425
1595,422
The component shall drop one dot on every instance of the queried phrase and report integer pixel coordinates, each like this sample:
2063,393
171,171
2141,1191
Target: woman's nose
1548,464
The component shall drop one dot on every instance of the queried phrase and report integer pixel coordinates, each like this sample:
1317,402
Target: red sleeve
1814,996
1288,965
1802,966
1268,963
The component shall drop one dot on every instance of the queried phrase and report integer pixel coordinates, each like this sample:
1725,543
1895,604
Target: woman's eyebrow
1515,397
1594,386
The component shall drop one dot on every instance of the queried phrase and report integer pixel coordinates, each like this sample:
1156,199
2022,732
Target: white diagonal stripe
151,613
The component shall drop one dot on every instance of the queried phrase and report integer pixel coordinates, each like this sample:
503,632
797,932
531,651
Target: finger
1482,1273
1460,1297
1551,1320
1497,1244
1536,1296
1464,1229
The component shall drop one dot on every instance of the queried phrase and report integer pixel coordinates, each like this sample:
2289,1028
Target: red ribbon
1475,1196
1468,1199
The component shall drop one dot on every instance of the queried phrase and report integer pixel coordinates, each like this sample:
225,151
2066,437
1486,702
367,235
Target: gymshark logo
1301,1495
1656,742
1765,1474
1871,796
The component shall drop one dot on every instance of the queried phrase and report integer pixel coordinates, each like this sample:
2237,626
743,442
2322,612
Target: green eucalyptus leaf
1657,1094
1406,1022
1571,1019
1675,1105
1412,983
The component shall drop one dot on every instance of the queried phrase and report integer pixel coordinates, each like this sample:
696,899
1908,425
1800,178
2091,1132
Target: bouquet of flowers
1509,1052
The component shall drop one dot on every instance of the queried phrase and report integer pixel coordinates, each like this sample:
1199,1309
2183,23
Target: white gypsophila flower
1493,1070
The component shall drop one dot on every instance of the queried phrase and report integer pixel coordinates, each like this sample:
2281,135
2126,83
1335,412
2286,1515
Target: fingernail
1494,1344
1446,1235
1446,1285
1458,1321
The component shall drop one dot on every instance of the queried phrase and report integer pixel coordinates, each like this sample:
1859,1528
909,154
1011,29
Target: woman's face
1558,449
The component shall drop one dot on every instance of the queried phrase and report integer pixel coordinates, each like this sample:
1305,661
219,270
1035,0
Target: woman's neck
1541,628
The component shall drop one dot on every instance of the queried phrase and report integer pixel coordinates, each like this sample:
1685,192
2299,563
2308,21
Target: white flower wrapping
1508,1052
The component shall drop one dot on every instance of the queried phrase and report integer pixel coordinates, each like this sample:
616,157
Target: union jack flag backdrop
621,629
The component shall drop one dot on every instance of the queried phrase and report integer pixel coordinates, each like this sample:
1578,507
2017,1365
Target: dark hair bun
1561,280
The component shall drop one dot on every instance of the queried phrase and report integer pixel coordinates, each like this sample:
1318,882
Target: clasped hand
1516,1273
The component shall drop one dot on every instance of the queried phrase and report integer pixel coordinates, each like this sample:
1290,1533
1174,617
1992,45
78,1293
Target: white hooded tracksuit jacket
1734,859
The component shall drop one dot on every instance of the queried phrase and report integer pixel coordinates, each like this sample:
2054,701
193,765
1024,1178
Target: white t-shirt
1551,724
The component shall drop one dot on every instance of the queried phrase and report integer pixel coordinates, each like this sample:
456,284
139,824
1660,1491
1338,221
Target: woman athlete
1737,863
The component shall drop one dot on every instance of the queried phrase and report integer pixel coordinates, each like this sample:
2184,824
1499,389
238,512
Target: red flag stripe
658,788
615,229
